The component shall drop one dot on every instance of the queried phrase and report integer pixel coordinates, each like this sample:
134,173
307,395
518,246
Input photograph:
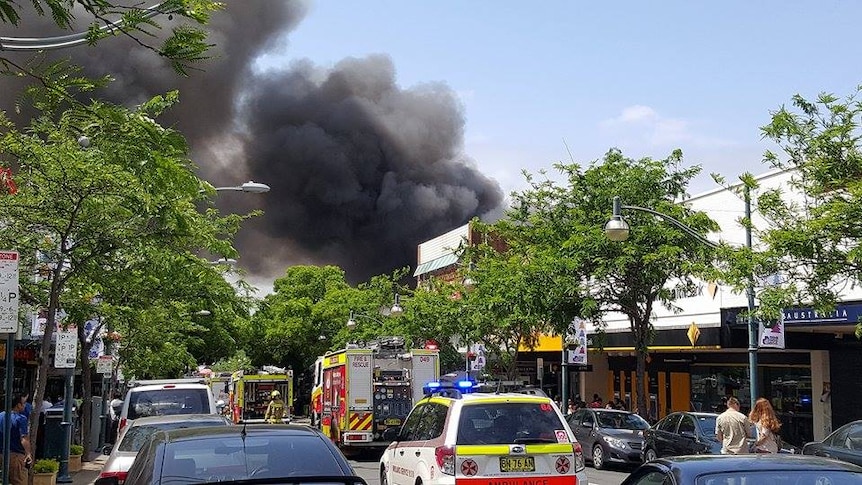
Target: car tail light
121,426
120,477
445,456
579,456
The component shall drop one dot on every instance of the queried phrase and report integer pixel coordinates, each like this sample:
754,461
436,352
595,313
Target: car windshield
795,477
221,458
707,425
621,421
162,402
136,436
512,422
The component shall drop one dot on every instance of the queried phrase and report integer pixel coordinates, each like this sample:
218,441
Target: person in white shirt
732,428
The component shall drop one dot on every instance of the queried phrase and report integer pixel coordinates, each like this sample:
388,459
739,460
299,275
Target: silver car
133,437
609,435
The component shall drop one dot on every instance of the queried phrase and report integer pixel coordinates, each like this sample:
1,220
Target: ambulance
456,437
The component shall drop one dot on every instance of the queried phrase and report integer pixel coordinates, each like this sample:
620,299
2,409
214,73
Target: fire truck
361,391
250,393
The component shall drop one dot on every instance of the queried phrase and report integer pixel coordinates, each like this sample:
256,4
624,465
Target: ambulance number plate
512,464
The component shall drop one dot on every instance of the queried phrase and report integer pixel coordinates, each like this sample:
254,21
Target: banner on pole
772,338
578,356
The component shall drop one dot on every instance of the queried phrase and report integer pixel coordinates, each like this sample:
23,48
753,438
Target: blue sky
643,76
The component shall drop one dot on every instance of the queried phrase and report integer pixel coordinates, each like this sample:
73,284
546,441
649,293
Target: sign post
65,357
9,326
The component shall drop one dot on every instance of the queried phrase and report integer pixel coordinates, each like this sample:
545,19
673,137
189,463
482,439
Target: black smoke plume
361,169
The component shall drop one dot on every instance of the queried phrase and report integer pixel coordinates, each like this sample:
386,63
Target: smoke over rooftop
361,169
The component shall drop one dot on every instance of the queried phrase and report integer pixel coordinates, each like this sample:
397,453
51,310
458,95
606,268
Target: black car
609,435
681,433
845,443
253,454
752,469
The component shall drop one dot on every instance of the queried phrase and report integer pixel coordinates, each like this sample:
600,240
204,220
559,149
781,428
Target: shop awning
436,263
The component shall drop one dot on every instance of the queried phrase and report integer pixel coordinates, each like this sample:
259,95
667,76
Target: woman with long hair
767,424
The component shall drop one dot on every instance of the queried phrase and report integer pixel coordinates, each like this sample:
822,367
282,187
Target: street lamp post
617,229
249,187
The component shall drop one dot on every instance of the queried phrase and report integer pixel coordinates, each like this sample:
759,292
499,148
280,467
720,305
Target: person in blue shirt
19,442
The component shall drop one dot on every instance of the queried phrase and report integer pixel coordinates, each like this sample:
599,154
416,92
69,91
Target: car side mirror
391,434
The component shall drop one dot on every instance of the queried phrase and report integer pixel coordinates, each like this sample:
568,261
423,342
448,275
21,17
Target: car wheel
650,455
383,480
598,457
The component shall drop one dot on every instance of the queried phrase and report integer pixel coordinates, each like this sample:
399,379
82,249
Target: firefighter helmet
276,394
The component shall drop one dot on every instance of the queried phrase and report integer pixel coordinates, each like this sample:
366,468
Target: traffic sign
8,291
66,350
105,364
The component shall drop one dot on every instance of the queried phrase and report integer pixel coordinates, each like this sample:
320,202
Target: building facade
700,352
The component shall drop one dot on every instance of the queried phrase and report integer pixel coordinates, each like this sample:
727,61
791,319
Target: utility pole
752,322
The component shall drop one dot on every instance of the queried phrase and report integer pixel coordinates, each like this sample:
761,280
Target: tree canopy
569,268
813,235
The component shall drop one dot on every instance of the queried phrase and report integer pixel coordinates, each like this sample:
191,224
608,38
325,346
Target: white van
166,397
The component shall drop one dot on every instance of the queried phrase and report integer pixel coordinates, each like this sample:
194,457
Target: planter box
74,463
44,479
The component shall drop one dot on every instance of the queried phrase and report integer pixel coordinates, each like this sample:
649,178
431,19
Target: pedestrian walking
275,409
19,441
767,425
733,429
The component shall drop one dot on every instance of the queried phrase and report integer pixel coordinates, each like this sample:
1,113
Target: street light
351,321
617,229
250,187
396,309
223,261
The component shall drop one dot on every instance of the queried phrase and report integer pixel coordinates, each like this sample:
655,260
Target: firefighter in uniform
275,409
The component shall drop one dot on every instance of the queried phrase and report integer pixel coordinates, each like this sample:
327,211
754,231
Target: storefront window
710,386
787,388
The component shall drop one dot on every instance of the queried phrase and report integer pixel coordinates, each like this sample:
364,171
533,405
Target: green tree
80,214
813,232
563,224
304,316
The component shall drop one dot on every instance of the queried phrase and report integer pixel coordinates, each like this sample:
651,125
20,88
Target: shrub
76,450
46,465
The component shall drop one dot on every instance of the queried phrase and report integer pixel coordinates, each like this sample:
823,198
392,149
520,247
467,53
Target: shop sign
26,355
842,314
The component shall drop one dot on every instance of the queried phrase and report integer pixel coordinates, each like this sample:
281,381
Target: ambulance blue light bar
459,387
464,385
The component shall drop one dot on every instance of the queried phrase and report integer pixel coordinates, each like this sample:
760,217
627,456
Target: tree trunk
640,375
45,354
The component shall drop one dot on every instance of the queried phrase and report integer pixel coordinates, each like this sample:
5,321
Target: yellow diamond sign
693,333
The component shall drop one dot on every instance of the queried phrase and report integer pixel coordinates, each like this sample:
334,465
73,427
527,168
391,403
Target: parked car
166,397
121,456
246,454
609,435
845,443
681,433
456,436
754,469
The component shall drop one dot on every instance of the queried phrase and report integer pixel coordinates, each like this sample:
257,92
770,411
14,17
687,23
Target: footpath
89,469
